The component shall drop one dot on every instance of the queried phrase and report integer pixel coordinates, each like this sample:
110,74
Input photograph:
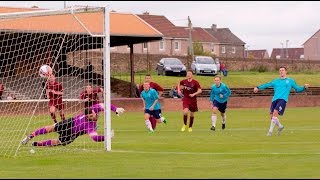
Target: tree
198,49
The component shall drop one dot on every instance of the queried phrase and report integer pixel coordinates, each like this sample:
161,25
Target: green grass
242,150
233,80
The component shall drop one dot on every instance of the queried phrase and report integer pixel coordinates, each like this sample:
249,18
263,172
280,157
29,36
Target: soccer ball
45,71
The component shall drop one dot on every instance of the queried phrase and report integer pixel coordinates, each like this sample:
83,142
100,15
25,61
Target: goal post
75,43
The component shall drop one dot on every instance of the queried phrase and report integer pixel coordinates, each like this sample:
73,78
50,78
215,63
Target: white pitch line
233,143
227,130
212,153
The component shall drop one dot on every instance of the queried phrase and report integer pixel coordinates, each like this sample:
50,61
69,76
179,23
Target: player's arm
179,87
211,94
143,103
159,90
95,136
47,93
263,86
156,97
117,110
198,91
297,88
227,92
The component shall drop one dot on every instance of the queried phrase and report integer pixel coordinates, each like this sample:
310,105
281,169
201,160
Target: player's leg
214,116
153,122
49,142
60,106
147,114
52,110
185,107
191,121
161,118
40,131
193,107
273,121
278,110
222,109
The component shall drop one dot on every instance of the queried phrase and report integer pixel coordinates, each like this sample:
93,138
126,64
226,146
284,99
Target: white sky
261,25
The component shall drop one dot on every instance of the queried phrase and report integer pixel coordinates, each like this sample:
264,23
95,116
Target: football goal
75,44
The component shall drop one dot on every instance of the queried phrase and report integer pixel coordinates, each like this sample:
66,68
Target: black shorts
64,129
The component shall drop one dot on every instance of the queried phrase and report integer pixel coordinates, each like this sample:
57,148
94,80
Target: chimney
146,13
214,27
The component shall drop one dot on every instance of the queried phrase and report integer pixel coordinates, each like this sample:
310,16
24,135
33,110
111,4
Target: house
217,41
257,54
228,45
203,38
312,47
287,53
174,41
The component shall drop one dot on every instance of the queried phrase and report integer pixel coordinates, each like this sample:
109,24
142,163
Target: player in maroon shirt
191,88
54,91
159,89
90,95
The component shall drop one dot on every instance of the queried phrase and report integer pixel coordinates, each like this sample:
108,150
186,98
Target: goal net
71,41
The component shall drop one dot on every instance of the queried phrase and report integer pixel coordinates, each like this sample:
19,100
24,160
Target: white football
45,71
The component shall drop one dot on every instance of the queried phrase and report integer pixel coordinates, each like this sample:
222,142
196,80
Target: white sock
162,119
148,124
214,119
272,124
277,122
224,118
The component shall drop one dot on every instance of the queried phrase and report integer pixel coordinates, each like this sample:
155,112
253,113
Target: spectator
1,90
137,95
174,93
223,69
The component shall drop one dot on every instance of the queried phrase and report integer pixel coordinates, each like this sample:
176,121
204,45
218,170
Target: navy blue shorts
155,113
279,105
221,106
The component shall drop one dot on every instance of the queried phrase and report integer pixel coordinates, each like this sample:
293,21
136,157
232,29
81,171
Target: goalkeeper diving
71,128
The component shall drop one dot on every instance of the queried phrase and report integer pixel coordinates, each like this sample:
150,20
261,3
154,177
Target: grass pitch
242,150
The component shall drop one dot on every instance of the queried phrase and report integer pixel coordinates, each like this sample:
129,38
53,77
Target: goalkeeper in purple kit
71,128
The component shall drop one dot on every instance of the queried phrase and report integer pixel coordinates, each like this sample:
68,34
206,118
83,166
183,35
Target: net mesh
75,56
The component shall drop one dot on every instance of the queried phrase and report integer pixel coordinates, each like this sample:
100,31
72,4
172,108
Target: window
233,50
223,49
177,45
145,46
161,45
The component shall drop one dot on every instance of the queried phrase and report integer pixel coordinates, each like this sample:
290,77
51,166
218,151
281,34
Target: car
171,66
204,65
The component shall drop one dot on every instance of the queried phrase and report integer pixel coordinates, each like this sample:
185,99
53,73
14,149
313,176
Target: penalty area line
211,153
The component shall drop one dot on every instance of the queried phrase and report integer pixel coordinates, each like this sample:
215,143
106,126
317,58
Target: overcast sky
261,25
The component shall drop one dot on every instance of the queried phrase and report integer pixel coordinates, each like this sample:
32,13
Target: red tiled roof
162,24
224,35
293,53
200,35
258,54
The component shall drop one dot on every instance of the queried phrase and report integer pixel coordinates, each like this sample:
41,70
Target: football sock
148,124
214,119
62,117
224,118
53,116
185,119
272,124
191,121
277,121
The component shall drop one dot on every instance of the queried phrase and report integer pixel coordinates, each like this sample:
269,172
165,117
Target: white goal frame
106,53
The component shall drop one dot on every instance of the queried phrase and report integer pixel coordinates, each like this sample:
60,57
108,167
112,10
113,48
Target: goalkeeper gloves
119,111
